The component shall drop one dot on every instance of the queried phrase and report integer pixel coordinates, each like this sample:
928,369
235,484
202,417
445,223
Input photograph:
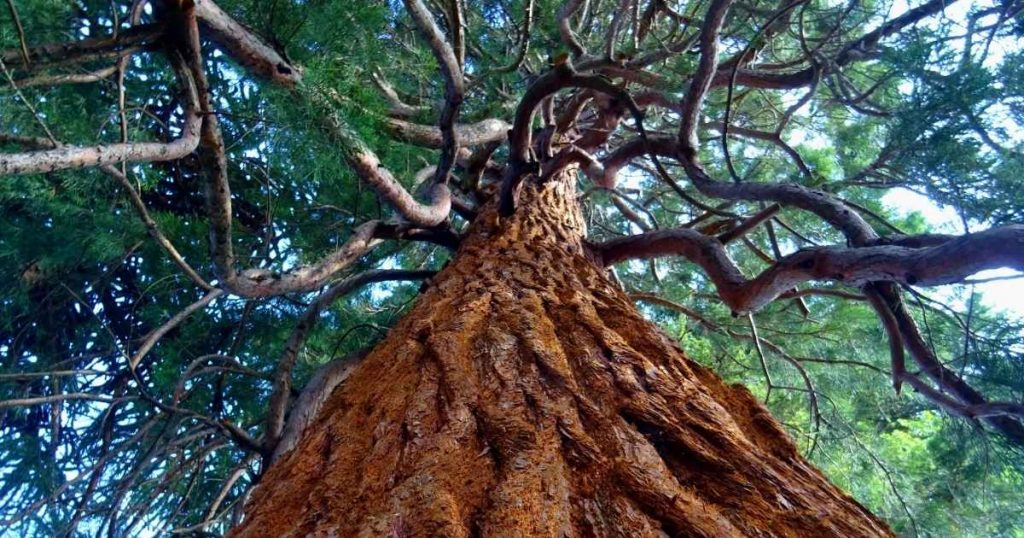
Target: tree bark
525,395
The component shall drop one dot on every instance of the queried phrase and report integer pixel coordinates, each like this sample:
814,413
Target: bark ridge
524,395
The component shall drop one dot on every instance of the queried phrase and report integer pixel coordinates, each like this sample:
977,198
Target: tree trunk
524,395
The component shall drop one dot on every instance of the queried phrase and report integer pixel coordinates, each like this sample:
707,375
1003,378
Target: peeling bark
524,395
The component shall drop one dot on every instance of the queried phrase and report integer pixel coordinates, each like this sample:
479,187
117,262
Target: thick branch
87,49
366,164
267,283
472,134
71,157
244,46
454,83
66,78
701,82
931,266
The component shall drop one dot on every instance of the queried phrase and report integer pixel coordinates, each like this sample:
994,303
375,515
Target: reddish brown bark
524,395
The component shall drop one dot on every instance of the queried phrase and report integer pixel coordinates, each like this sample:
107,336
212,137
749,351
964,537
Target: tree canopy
203,207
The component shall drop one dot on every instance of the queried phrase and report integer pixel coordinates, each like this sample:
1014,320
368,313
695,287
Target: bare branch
155,336
153,229
825,292
24,376
398,107
86,50
65,157
972,402
880,302
564,17
748,224
267,283
366,164
39,400
454,83
67,78
244,46
21,33
948,263
756,338
701,82
473,134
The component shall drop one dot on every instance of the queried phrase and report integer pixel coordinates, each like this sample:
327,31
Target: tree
539,168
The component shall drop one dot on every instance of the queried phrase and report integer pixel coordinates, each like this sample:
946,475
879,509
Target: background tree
205,224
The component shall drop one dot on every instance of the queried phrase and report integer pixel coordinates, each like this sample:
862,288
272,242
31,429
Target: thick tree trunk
524,395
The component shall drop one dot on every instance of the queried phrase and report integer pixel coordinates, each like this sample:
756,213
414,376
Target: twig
21,33
760,356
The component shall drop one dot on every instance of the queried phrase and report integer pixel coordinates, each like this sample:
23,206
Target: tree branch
564,17
397,106
70,157
454,83
948,263
366,164
472,134
86,50
701,82
245,47
66,78
155,336
39,400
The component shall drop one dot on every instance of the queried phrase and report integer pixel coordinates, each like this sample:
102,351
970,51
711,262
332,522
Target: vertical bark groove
524,395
